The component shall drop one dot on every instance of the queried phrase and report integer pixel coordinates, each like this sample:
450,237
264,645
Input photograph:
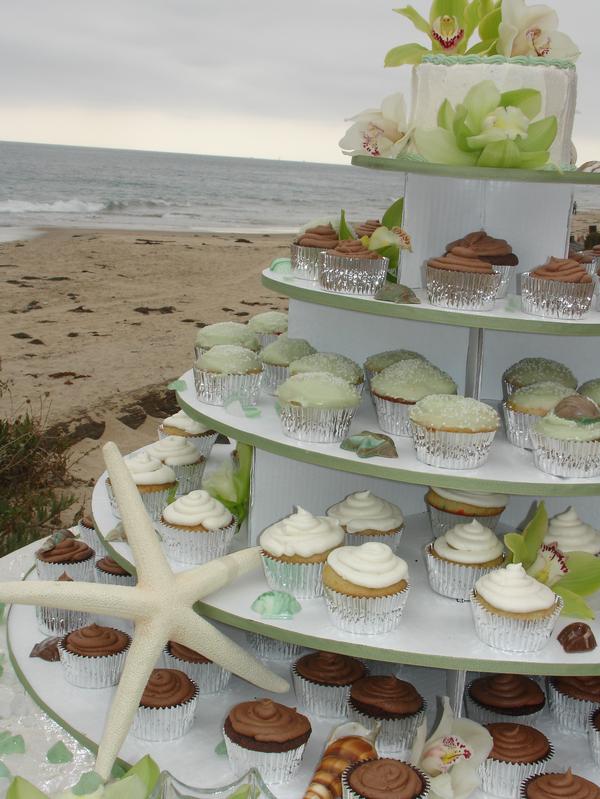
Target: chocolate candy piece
46,650
577,637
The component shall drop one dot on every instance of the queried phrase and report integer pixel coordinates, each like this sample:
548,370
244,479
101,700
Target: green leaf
584,573
406,54
529,101
472,17
131,787
147,771
575,606
450,8
393,215
460,130
22,789
487,47
490,25
540,135
446,115
516,546
534,534
481,100
439,147
417,20
345,234
534,160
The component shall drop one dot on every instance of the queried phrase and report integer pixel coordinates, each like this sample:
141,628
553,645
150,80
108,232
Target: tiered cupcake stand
435,646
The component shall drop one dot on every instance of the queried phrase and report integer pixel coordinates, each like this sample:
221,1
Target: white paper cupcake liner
441,521
504,779
363,276
271,649
58,622
83,571
451,450
219,389
189,476
518,426
164,723
305,261
316,425
92,672
553,299
203,442
274,376
505,272
454,580
274,767
91,538
510,634
327,701
396,736
154,501
391,539
572,715
348,793
366,615
565,458
190,546
302,580
106,578
393,416
209,677
594,739
461,290
483,715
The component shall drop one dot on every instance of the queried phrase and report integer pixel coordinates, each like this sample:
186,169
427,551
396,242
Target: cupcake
196,528
397,388
459,557
384,778
180,424
566,442
167,706
519,752
572,701
322,682
514,612
447,507
155,481
109,572
367,228
294,551
271,649
365,517
231,333
504,697
395,704
591,389
570,534
226,373
183,457
331,363
537,370
461,283
352,268
453,432
381,360
317,407
560,289
496,252
554,785
525,406
86,530
267,736
594,736
312,240
276,358
61,553
268,326
366,588
208,676
93,656
58,621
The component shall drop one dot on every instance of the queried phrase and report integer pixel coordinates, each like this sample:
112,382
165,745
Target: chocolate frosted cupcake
322,682
267,736
461,282
384,778
110,572
572,701
496,252
58,621
93,657
87,532
63,553
167,706
518,753
208,676
367,228
352,268
504,697
312,240
395,704
560,289
559,786
594,736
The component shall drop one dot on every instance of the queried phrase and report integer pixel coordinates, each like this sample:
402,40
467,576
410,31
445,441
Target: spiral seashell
327,779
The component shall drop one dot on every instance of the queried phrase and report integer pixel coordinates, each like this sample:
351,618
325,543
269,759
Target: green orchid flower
390,239
230,483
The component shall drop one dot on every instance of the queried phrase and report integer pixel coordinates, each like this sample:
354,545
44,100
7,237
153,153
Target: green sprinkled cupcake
225,333
381,360
526,405
268,326
537,370
226,373
591,389
277,357
566,442
331,363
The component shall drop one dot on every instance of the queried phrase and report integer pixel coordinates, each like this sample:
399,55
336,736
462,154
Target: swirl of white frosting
181,421
197,507
364,511
174,451
571,534
147,471
371,565
468,543
479,499
512,590
302,534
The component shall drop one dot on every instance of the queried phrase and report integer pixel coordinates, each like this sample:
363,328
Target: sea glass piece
276,605
59,753
397,293
281,266
370,445
4,772
11,744
221,749
88,783
177,385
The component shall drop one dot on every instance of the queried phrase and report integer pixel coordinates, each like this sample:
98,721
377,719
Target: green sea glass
11,744
370,445
59,753
221,749
88,783
276,605
396,292
177,385
4,772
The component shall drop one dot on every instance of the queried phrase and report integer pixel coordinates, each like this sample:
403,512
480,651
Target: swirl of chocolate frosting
507,691
561,786
70,550
111,566
329,668
367,228
517,743
385,779
455,263
486,248
184,653
354,248
577,407
565,270
386,697
95,641
585,688
268,721
167,688
87,521
324,237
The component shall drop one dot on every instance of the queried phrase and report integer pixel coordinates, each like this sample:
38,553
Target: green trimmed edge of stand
417,313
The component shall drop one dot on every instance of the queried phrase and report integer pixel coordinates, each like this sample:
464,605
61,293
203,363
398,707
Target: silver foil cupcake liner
209,677
327,701
91,538
58,622
518,426
271,649
553,299
305,261
274,767
83,571
316,425
348,793
363,276
566,458
191,546
92,672
203,442
219,389
592,267
510,634
164,723
106,578
189,476
393,416
505,272
274,376
594,739
302,580
396,736
454,580
154,501
483,715
441,521
391,539
572,715
504,779
451,450
365,615
198,350
267,338
461,290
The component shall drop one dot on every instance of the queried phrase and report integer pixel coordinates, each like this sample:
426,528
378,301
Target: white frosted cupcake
570,534
458,558
196,528
180,424
447,507
331,363
366,588
294,551
268,326
228,373
277,357
566,442
183,457
365,517
232,333
155,481
514,612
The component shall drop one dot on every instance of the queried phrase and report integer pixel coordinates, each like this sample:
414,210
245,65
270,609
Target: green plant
230,483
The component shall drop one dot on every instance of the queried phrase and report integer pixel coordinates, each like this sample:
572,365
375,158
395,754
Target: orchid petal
405,54
439,146
574,606
529,101
481,100
540,135
446,115
500,155
393,107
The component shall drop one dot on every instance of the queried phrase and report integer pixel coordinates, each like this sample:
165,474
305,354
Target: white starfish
160,605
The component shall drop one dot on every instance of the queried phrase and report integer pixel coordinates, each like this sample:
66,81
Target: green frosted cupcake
268,326
591,389
526,405
566,442
277,357
225,333
381,360
226,373
332,363
537,370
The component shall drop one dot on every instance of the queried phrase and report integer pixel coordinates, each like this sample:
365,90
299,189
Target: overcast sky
264,78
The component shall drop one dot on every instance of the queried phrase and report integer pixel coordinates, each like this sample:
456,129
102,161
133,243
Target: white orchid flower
533,31
380,132
549,566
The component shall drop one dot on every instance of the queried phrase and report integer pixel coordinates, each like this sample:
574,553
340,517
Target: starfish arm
150,562
148,642
192,585
196,633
